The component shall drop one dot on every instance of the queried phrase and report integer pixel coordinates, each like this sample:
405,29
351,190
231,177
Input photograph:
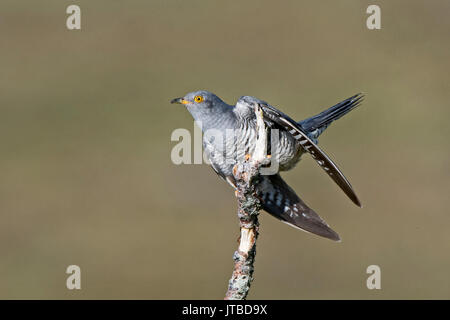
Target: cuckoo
229,134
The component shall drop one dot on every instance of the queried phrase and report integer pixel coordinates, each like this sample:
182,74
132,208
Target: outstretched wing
280,201
309,146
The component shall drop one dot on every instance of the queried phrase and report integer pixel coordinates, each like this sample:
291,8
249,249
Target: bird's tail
280,201
315,125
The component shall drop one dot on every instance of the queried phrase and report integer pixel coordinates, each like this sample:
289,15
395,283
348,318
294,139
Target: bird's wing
272,114
280,201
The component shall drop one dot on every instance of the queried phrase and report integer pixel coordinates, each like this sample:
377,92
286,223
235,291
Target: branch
247,174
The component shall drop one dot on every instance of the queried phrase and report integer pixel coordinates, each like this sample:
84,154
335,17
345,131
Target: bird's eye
198,99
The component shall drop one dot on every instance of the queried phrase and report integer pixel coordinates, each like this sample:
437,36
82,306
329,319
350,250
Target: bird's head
200,103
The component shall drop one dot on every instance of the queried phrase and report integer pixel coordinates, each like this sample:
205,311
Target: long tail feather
315,125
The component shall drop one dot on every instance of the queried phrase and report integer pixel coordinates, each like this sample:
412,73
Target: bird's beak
179,101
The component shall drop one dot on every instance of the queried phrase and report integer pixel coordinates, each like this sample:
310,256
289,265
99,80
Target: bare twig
246,175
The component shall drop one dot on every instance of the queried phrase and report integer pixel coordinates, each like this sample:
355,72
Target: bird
235,133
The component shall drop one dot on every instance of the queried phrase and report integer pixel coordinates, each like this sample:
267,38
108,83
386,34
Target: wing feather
282,202
310,147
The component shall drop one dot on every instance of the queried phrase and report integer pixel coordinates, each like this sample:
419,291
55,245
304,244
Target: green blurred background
85,169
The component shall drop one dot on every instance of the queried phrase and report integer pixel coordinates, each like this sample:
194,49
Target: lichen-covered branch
246,175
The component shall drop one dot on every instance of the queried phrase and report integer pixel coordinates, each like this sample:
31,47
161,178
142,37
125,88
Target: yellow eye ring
198,99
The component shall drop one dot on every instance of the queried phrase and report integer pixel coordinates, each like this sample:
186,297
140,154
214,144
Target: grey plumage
230,134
